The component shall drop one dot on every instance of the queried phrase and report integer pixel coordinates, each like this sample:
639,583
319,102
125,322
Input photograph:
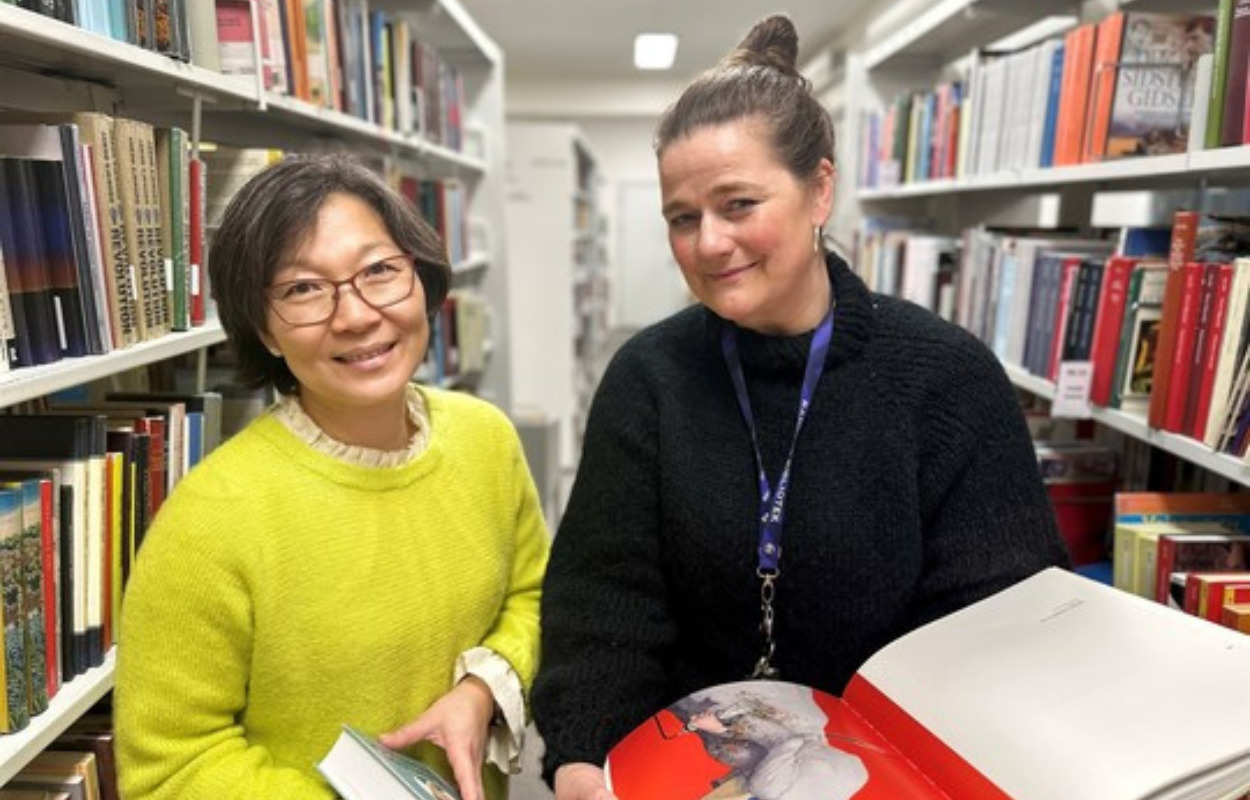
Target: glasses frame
272,301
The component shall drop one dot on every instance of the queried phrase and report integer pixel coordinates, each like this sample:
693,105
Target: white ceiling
593,39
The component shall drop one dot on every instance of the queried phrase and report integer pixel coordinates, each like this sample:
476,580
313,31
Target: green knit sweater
282,592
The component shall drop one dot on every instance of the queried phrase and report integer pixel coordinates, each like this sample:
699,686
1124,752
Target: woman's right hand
582,781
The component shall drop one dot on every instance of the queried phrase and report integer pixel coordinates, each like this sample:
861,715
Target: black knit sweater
914,491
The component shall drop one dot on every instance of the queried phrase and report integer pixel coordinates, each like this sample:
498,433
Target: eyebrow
718,191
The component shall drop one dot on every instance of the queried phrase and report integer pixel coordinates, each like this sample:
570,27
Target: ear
822,192
270,343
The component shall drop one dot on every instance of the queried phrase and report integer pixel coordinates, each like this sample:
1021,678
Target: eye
301,290
382,271
681,220
741,204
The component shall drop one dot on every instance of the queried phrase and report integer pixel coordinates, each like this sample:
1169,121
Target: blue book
1052,107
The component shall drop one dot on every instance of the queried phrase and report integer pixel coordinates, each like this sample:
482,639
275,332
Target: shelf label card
1072,390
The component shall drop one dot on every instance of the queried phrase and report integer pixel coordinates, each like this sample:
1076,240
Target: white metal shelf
949,29
1227,161
73,700
26,383
1192,450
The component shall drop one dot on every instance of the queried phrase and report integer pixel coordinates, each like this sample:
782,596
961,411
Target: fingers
467,770
415,731
582,781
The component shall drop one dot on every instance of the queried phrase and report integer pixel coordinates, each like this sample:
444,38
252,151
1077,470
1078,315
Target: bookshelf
557,241
51,67
906,46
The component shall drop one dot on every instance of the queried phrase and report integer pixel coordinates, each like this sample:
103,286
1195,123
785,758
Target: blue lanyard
773,504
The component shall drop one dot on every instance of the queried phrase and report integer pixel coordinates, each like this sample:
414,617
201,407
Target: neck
809,303
386,429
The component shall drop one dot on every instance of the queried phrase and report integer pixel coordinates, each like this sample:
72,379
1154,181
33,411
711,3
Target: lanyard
773,503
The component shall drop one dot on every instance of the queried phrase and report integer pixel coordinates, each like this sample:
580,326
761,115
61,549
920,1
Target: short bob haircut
268,219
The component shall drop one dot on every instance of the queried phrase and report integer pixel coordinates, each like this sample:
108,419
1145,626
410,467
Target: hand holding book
457,722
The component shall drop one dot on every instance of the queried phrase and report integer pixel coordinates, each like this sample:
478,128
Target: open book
360,768
1058,687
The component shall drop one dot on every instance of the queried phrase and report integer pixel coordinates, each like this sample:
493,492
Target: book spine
1212,350
1184,231
1235,85
1108,322
1219,75
1183,351
1202,339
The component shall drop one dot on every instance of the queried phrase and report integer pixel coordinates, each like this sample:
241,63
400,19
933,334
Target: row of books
164,27
101,236
1159,313
335,54
1134,83
79,764
1188,551
458,340
79,483
342,55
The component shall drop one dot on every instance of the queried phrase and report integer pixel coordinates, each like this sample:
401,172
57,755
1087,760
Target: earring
275,352
816,239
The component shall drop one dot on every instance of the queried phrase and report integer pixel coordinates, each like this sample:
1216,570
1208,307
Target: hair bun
772,42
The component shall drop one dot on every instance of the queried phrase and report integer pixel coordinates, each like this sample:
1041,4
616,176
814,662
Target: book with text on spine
1048,689
361,768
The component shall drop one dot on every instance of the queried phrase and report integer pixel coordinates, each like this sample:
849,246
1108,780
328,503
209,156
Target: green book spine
1219,74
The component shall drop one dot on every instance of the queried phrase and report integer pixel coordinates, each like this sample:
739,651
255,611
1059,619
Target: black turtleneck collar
851,322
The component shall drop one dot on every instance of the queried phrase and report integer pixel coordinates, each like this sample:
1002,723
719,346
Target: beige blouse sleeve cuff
503,744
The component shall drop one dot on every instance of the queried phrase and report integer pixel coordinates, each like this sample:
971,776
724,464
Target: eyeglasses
312,301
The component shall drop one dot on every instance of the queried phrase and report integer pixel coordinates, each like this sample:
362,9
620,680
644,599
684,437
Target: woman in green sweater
367,551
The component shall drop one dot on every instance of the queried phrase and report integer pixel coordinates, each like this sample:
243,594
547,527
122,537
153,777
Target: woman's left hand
458,723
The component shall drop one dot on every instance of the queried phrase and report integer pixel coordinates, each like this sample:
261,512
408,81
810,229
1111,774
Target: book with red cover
1198,553
1063,313
1211,328
1108,321
1206,593
1034,693
1186,334
1196,236
196,199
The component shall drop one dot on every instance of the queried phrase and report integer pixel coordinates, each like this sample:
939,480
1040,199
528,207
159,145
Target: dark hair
269,218
758,79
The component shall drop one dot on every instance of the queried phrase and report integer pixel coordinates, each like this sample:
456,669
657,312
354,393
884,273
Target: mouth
363,354
732,272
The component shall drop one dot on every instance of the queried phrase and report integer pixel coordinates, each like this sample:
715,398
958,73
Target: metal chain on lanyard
772,504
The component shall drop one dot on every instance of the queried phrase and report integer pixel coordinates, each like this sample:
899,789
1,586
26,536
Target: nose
714,239
351,310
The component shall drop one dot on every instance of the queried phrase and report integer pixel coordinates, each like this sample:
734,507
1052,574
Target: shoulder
448,407
466,423
659,350
921,341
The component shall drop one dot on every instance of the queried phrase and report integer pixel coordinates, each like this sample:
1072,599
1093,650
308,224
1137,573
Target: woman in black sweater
782,479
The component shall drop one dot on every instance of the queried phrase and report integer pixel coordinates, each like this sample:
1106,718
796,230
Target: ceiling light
655,50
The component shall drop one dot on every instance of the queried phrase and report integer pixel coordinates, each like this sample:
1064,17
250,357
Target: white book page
1061,687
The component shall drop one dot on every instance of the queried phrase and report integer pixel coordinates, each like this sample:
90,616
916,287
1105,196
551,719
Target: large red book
1184,336
1207,356
1049,689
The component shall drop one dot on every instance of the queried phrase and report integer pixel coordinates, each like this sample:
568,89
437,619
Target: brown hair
758,79
270,217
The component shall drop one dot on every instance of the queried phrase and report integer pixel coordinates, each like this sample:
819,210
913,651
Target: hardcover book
1148,110
359,768
1034,693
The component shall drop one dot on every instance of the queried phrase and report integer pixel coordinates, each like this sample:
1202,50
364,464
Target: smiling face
742,228
353,368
